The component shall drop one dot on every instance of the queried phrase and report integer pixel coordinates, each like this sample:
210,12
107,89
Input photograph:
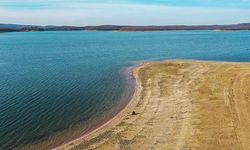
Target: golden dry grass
182,105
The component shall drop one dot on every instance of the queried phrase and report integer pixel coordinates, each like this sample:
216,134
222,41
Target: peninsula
180,105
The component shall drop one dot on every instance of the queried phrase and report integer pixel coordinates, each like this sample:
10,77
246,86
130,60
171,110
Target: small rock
133,113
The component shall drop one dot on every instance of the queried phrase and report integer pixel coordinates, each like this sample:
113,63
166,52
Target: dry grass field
181,105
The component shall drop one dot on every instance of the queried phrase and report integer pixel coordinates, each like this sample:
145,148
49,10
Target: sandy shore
180,105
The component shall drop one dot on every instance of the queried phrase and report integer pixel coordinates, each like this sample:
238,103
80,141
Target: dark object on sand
133,113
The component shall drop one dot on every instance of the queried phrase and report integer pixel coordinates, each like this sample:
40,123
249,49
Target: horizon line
240,23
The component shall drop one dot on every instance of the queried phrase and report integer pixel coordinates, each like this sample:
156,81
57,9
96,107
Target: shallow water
55,85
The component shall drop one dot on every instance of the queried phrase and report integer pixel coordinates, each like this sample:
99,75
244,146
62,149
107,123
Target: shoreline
179,104
114,118
132,31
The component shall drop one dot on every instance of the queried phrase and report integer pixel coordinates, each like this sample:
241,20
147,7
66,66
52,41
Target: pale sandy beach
180,105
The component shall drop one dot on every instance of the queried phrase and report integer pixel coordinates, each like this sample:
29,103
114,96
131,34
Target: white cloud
125,14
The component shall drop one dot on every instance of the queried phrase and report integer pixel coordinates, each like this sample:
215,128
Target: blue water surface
56,83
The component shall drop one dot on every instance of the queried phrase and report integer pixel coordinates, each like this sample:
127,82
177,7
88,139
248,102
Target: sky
124,12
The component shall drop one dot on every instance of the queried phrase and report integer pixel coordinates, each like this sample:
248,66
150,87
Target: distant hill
22,28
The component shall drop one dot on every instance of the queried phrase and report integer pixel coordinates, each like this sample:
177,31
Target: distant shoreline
125,31
124,28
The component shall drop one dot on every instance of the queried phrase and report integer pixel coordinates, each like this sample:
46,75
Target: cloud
59,4
125,14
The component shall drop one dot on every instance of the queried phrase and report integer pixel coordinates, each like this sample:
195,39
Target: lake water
55,86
